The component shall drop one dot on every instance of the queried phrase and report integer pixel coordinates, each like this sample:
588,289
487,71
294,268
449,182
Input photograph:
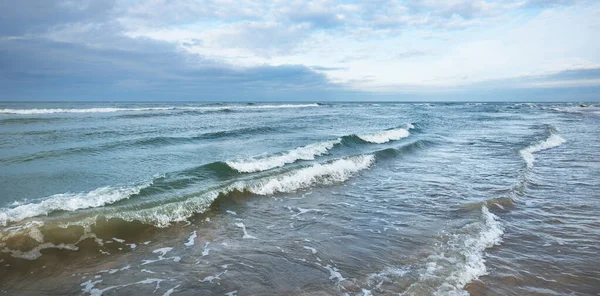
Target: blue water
299,198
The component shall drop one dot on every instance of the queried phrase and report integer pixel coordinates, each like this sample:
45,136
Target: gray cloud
59,50
26,16
80,52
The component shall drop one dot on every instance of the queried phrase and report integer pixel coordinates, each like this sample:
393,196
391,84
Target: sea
280,198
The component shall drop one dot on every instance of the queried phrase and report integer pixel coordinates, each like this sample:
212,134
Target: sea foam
550,142
471,248
311,151
317,174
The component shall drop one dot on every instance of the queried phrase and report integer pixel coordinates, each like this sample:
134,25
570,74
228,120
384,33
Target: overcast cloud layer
300,50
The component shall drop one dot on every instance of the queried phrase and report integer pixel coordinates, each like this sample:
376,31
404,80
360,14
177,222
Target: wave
68,233
456,261
473,249
311,151
70,202
490,234
550,142
463,258
169,108
140,142
387,135
308,152
315,175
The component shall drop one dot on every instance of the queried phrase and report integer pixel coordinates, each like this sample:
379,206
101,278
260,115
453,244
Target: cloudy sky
300,50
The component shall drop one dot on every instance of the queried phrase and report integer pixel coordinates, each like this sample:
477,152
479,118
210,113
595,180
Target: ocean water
299,199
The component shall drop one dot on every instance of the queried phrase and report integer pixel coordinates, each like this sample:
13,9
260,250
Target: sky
250,50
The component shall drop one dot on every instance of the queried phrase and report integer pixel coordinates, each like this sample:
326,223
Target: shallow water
299,199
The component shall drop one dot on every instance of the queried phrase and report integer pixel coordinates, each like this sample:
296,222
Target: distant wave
182,108
550,142
140,142
70,202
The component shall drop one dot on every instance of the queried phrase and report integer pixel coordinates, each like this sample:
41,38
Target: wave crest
317,174
388,135
308,152
550,142
70,202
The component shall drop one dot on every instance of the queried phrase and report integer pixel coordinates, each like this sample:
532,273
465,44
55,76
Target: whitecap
550,142
318,174
387,135
70,202
308,152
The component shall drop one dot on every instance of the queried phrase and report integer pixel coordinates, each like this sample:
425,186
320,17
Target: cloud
22,17
219,49
78,56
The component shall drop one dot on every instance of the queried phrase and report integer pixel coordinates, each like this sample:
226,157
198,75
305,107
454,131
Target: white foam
87,110
312,250
551,142
308,152
118,240
470,264
69,202
243,227
206,249
283,106
475,247
211,278
89,286
162,252
170,291
166,108
191,239
388,135
322,174
334,273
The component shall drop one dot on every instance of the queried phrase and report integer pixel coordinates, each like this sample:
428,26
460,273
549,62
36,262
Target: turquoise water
299,198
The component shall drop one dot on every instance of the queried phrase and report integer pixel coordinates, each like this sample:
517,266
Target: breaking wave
311,151
550,142
387,135
463,259
308,152
70,202
315,175
27,239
